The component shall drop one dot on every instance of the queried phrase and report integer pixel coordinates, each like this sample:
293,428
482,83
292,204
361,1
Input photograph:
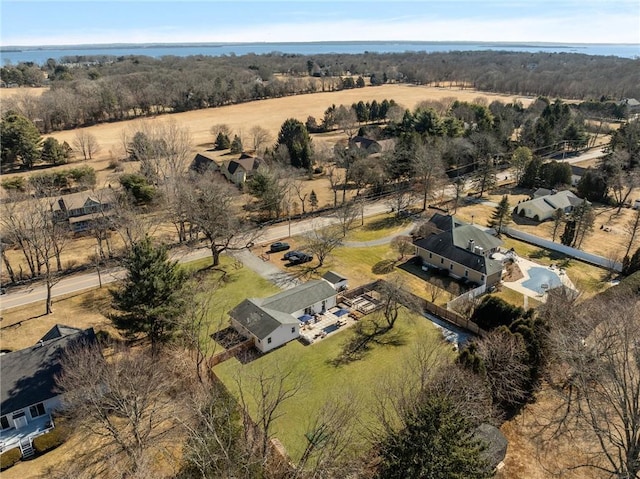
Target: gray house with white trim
274,321
28,392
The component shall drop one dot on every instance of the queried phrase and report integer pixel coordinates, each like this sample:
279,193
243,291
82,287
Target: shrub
14,184
50,440
9,458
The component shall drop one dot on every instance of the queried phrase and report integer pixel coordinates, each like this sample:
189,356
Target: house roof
247,162
79,200
364,143
453,239
550,203
28,375
262,316
333,277
204,161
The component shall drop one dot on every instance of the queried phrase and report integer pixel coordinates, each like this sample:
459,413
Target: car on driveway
300,258
291,253
279,246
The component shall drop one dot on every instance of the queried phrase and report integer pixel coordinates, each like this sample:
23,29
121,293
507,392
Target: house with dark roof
28,392
461,249
542,206
274,321
82,210
204,161
240,170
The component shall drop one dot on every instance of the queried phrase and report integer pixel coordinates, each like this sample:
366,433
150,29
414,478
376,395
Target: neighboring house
541,208
461,249
633,105
240,170
204,161
577,172
369,146
336,280
274,321
81,210
28,389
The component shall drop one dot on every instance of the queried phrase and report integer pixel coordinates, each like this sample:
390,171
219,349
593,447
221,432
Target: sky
26,22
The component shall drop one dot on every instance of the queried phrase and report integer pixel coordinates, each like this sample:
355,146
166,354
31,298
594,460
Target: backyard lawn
356,382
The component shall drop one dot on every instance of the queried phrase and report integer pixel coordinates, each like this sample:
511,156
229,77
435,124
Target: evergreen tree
151,297
294,135
569,233
20,140
53,152
313,200
222,142
236,145
501,217
436,442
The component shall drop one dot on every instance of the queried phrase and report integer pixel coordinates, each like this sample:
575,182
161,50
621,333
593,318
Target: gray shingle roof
453,240
263,316
28,375
333,277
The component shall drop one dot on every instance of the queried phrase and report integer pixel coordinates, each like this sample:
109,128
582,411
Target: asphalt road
80,282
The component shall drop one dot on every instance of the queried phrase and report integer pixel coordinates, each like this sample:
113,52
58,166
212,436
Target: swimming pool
540,276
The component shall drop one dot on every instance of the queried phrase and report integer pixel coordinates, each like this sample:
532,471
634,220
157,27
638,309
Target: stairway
26,447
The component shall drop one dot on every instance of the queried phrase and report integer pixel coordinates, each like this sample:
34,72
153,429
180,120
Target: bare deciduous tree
428,169
347,214
129,401
631,228
322,241
86,143
259,137
597,379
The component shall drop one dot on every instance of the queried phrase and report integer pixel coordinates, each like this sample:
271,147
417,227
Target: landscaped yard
357,383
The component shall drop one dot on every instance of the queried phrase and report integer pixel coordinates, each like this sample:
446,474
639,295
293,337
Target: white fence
567,250
471,294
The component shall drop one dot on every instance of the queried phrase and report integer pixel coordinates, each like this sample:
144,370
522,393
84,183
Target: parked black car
300,258
291,253
279,246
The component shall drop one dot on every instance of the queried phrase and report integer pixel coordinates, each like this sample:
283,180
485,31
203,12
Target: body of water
39,55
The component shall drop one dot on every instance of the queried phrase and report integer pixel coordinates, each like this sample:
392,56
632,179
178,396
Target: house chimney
471,245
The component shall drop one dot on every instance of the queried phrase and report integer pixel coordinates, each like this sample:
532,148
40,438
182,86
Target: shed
339,282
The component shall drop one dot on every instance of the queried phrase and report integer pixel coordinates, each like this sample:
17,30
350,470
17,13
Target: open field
355,385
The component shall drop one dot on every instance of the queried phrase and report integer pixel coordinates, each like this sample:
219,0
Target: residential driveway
266,269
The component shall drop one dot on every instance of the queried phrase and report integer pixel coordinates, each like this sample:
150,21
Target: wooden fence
230,353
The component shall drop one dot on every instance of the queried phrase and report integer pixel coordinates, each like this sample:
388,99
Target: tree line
85,91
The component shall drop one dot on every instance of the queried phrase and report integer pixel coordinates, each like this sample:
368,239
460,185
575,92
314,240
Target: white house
241,170
274,321
28,391
541,208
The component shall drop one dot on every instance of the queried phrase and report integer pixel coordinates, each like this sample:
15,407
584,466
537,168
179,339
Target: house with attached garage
274,321
28,391
546,202
462,250
240,170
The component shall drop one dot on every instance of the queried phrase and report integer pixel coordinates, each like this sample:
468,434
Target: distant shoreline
40,54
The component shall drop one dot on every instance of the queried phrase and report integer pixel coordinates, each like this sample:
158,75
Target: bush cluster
50,440
9,458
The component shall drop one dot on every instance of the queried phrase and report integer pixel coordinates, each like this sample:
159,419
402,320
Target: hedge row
9,458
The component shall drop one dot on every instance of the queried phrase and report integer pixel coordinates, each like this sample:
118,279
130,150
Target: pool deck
525,265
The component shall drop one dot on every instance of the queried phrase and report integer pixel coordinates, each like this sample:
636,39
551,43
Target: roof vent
471,245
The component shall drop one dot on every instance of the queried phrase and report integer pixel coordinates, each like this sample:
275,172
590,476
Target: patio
315,328
10,438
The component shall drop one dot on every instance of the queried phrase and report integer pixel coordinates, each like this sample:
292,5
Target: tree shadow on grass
383,267
367,334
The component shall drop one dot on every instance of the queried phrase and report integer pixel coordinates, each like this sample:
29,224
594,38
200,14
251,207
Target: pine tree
501,216
437,442
151,297
236,145
313,200
222,142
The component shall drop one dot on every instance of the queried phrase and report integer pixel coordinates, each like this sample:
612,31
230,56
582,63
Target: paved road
80,282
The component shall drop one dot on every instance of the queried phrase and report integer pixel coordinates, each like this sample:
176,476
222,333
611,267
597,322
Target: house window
4,422
430,255
441,260
482,277
268,340
37,410
466,273
293,330
451,266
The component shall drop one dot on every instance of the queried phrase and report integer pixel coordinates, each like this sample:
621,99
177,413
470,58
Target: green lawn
376,227
515,298
356,382
226,286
